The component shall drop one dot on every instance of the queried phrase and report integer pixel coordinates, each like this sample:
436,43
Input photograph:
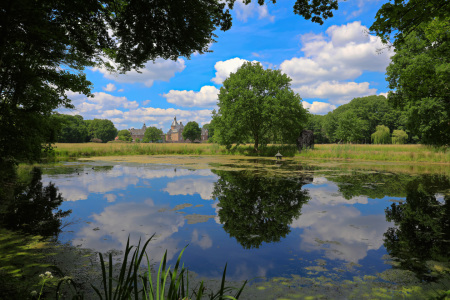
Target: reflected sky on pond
307,226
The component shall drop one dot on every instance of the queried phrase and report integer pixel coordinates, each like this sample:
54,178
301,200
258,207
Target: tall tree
382,135
258,104
152,134
399,137
192,131
102,129
419,77
350,128
124,135
373,110
72,129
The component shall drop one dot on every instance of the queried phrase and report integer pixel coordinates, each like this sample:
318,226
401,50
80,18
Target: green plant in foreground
44,278
171,285
61,293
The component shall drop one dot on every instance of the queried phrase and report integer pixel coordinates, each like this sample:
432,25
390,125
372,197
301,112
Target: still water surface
265,220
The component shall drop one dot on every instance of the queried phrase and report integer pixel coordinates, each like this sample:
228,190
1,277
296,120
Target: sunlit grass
397,153
113,149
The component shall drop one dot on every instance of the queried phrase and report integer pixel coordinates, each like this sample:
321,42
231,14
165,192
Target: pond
294,230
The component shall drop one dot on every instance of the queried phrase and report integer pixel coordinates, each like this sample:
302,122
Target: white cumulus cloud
160,69
123,112
317,107
225,68
189,186
336,92
110,101
163,117
330,60
246,11
206,97
110,87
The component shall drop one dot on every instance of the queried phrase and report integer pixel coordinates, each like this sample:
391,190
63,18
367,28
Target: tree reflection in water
33,208
421,237
256,209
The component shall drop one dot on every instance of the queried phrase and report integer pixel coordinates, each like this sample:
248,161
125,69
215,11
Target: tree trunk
255,147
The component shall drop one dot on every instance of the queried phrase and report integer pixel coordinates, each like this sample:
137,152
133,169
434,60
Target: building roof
175,127
174,123
138,131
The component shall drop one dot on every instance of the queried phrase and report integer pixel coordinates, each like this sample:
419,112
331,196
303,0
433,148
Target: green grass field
364,152
394,153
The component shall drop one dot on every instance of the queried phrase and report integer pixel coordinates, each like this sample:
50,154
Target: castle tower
174,123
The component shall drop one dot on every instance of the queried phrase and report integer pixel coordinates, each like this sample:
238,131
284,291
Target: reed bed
365,152
112,149
119,149
393,153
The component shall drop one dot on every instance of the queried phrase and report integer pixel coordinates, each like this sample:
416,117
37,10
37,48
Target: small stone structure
305,140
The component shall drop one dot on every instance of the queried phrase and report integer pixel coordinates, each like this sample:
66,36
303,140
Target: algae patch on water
195,218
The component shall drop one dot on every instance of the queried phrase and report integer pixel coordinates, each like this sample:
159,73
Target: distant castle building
138,133
175,133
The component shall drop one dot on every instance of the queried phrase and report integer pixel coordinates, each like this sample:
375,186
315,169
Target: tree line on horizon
74,129
364,120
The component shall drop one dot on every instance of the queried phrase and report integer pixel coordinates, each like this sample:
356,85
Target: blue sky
329,65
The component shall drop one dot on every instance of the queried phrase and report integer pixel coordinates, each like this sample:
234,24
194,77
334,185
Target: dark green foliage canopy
256,209
192,131
152,134
316,124
102,129
419,74
350,128
124,135
73,129
258,104
403,17
357,120
316,10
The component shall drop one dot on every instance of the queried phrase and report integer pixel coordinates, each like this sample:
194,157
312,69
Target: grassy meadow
366,152
359,152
